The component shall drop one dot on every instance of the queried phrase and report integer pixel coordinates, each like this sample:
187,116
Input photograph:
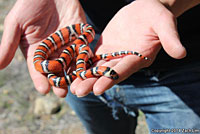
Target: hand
31,21
142,26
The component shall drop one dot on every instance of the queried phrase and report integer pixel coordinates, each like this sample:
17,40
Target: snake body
80,35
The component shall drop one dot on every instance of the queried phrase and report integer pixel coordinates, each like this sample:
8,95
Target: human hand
28,23
142,26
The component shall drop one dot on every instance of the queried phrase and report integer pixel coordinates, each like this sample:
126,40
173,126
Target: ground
19,101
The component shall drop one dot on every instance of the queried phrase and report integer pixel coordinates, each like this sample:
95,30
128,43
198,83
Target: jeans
170,100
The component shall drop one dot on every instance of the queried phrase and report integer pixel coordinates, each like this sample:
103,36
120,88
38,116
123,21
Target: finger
60,92
40,81
10,41
74,85
102,84
124,68
82,88
169,38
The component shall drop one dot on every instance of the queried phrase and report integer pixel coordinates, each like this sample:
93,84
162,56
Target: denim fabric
170,100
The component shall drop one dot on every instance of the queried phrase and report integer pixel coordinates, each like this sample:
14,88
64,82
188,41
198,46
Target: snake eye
112,72
114,75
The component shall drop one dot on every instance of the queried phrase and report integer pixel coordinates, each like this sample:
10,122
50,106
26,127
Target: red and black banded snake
80,35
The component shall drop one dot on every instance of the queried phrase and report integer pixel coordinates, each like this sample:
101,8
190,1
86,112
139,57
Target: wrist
178,7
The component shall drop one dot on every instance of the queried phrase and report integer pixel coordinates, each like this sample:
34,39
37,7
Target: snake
80,36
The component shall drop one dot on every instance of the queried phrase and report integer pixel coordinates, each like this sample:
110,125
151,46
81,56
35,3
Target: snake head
114,75
108,72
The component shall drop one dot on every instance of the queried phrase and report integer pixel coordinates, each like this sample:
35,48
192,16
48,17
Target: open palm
28,23
142,26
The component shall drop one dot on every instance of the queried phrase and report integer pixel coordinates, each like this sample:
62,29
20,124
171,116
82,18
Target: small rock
5,92
46,105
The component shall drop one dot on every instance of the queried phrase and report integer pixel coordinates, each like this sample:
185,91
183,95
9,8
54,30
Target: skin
138,32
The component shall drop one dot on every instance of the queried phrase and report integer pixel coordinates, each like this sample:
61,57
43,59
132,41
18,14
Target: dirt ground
18,101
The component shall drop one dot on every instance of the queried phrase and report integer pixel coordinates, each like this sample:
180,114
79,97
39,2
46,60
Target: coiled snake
81,35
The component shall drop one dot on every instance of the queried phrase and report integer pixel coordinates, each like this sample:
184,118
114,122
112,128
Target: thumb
169,38
10,41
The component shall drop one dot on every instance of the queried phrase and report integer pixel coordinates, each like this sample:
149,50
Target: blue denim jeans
170,100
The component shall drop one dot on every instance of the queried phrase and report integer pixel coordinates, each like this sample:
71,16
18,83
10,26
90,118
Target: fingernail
97,94
79,96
